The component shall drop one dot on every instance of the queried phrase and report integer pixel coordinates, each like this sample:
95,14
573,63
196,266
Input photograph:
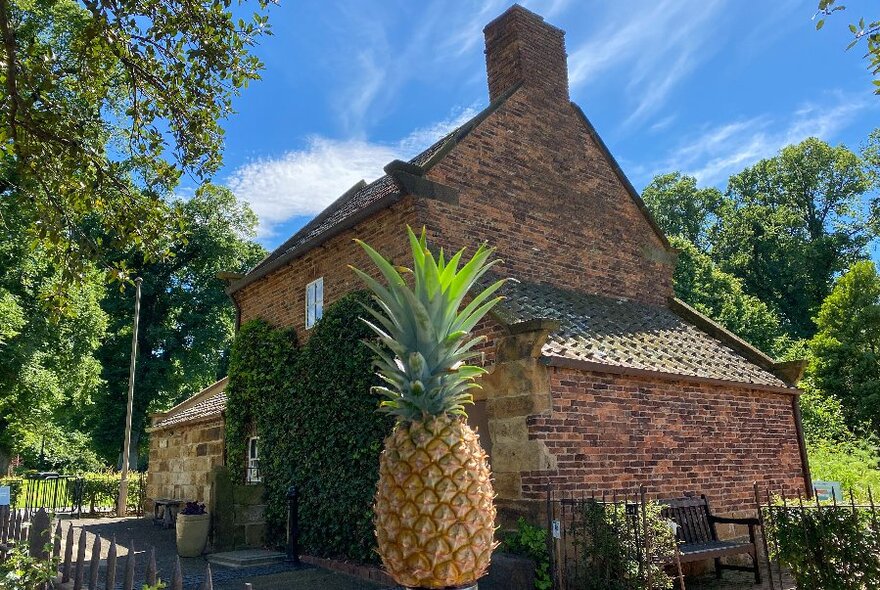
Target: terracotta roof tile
206,408
626,333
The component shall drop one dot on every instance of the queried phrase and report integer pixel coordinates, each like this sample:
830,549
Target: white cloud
652,46
717,152
303,182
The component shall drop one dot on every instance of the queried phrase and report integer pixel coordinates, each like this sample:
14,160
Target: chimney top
521,47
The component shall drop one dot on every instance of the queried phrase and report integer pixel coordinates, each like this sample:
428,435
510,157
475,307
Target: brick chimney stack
521,47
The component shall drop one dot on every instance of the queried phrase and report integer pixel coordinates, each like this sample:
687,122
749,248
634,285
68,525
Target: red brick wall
279,297
534,184
611,432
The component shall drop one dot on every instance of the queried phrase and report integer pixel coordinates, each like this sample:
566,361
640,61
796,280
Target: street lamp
122,499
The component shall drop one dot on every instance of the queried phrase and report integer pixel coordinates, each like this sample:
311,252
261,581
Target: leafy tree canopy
103,105
845,359
186,320
48,363
795,222
682,209
719,295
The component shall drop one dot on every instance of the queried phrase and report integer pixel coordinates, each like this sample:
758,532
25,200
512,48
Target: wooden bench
698,539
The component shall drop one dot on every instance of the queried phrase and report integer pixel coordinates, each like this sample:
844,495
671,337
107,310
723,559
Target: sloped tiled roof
629,334
360,198
208,403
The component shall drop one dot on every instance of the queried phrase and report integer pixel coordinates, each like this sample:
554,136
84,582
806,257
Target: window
253,460
314,302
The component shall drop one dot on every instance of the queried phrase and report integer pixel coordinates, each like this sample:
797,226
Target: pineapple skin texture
435,516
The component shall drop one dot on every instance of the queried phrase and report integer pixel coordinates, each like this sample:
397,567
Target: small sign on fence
5,496
827,490
557,530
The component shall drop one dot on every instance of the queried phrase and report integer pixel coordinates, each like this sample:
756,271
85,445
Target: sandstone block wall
181,459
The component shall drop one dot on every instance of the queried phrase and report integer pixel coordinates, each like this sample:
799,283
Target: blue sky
703,86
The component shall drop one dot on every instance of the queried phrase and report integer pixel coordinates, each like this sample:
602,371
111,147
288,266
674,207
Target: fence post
110,582
68,555
80,562
128,583
39,535
96,562
763,533
292,527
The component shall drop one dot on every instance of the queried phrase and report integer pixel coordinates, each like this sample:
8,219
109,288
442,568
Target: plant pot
192,534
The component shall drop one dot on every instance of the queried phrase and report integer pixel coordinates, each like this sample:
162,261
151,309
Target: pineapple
434,511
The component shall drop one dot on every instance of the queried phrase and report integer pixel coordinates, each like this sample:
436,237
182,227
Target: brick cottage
599,378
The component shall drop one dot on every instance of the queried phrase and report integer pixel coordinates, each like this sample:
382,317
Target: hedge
318,427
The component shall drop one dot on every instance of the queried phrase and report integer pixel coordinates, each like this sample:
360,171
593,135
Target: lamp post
122,498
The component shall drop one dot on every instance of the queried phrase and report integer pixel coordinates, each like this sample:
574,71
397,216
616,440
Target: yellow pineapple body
435,517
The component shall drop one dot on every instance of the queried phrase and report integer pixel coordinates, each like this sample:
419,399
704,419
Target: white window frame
253,460
314,302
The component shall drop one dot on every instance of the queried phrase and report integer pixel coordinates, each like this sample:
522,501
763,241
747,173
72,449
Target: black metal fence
610,542
832,544
69,494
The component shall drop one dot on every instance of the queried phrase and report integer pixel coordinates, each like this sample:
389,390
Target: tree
47,362
701,284
869,31
103,105
186,321
795,222
845,351
682,209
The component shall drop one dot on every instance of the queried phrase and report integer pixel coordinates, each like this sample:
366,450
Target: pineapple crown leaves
423,345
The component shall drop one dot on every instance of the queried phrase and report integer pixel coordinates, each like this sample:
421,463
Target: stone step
245,558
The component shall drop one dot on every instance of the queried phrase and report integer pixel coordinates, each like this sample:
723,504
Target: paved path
279,576
146,537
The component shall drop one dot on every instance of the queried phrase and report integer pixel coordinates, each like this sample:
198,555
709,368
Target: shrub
20,571
530,541
610,552
832,548
854,464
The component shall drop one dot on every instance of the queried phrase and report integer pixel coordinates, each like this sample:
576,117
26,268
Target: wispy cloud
653,47
302,182
715,153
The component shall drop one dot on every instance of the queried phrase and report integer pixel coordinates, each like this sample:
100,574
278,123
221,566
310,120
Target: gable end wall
534,184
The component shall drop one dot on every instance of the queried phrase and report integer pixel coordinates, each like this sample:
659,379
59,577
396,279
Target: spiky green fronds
424,332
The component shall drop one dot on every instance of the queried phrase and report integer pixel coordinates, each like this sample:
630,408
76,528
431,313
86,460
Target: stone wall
181,459
237,513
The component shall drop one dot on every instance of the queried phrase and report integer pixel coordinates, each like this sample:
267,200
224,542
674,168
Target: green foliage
683,210
317,424
854,463
795,222
822,416
48,362
719,295
105,105
870,31
262,373
424,332
845,362
612,556
20,571
530,541
835,548
186,320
